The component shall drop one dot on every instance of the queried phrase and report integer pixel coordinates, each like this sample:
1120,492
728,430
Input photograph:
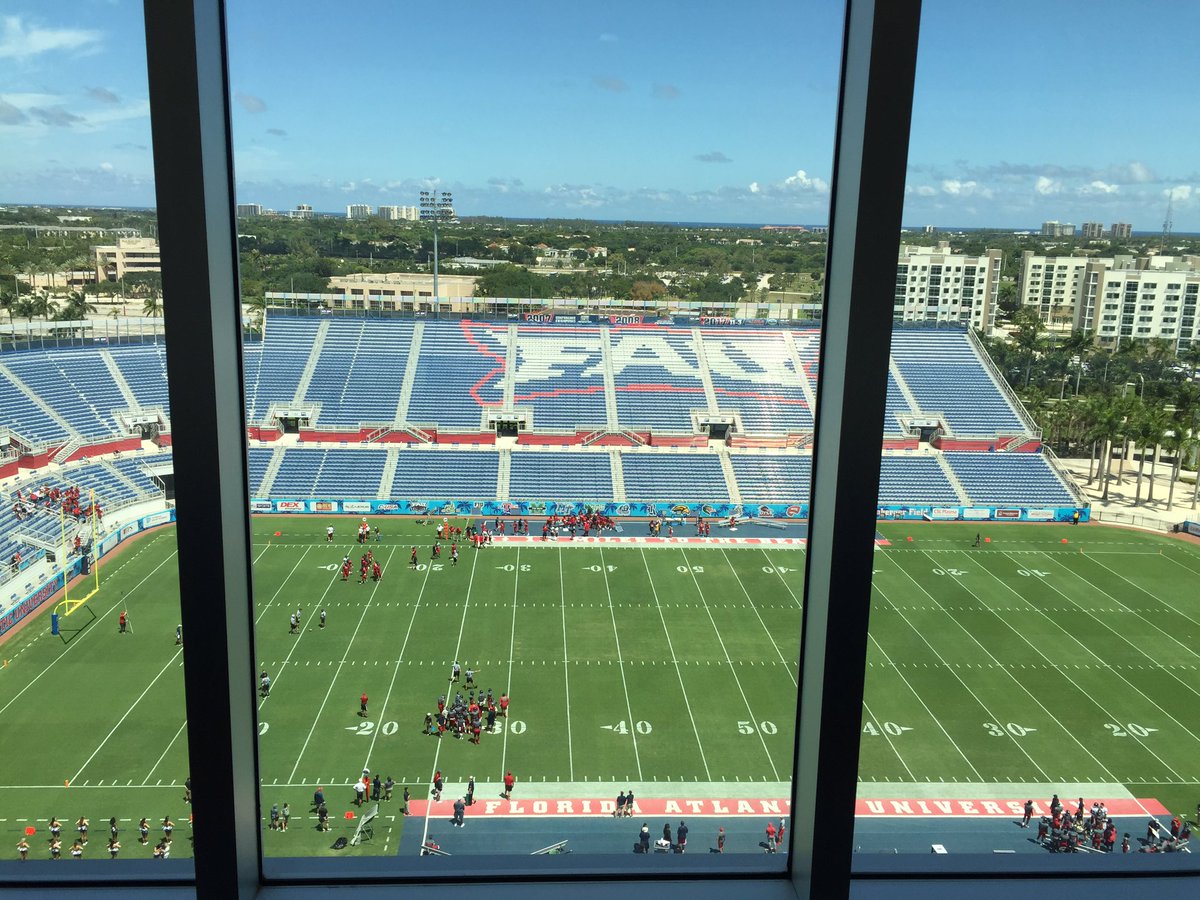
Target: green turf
624,665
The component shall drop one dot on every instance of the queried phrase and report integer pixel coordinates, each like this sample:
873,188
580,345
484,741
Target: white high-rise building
302,211
246,210
1053,285
1140,300
358,211
399,213
936,284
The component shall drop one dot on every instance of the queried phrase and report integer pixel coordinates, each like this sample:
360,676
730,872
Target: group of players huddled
466,716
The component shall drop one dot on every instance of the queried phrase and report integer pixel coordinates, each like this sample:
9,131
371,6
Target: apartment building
1121,231
358,211
246,210
1143,299
399,213
1057,229
937,284
1093,230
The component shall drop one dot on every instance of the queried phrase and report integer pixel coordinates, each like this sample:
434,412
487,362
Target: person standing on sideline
770,837
509,783
274,816
144,830
779,833
681,836
460,807
359,791
284,816
124,620
1028,814
179,635
644,837
23,849
376,787
471,791
977,539
293,625
721,839
406,798
388,784
329,535
114,847
362,705
322,625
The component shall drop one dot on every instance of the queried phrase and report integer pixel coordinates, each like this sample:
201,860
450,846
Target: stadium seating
946,376
460,372
135,469
76,384
336,473
25,417
144,369
674,477
914,479
259,460
356,378
1009,479
773,478
285,351
537,475
457,474
656,376
753,371
560,375
895,405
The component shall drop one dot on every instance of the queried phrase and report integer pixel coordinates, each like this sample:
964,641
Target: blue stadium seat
915,479
546,475
753,371
459,373
773,478
285,352
450,474
684,477
657,378
1009,479
144,369
358,375
560,375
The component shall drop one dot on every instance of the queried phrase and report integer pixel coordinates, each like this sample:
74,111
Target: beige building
1093,230
397,290
938,285
247,210
58,281
1143,299
128,256
1122,231
1053,285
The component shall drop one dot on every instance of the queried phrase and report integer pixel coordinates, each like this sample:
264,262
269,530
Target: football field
669,668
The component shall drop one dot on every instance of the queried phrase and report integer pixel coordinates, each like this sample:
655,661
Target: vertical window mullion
202,313
875,107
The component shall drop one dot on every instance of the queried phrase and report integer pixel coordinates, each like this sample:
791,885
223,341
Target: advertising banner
323,505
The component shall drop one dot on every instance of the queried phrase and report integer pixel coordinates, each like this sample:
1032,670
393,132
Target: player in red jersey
412,560
346,570
362,574
376,571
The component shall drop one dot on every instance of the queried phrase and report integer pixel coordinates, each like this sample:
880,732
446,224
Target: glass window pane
1027,646
91,697
557,275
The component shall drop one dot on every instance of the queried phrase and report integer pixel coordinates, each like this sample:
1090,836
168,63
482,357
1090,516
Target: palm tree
1111,421
77,307
42,305
258,310
1028,336
152,305
1157,424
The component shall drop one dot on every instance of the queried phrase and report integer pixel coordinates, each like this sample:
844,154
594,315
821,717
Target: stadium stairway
789,340
311,366
905,392
510,369
735,492
37,401
264,489
389,474
119,380
618,476
953,479
504,467
410,376
710,392
610,382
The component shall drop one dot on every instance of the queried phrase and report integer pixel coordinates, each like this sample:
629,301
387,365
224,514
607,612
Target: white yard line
282,583
900,675
729,662
678,673
612,611
1149,594
991,715
141,696
71,646
890,742
341,662
317,607
164,753
566,667
789,666
396,668
512,647
438,752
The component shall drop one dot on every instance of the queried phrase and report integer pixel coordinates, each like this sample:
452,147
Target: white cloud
802,181
1179,192
1139,173
1046,186
250,103
19,41
106,166
1099,187
754,188
926,190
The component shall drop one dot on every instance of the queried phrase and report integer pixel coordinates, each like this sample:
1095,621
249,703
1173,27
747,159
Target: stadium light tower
436,207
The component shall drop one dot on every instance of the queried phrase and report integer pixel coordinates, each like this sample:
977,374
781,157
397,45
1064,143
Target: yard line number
870,728
1130,728
745,727
955,572
642,727
1012,728
781,570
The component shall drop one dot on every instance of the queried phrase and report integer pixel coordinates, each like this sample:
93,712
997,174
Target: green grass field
1025,660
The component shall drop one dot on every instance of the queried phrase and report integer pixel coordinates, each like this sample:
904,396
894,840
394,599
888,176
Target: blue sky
706,111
